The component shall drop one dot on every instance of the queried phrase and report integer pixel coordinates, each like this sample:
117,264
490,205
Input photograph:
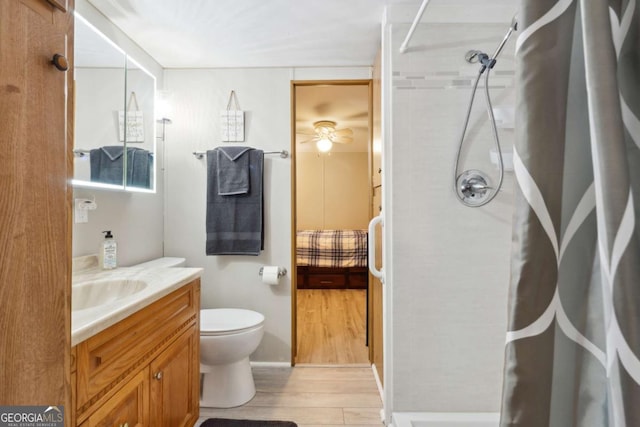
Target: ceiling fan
325,135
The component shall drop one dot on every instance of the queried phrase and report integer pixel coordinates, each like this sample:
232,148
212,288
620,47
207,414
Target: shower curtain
572,356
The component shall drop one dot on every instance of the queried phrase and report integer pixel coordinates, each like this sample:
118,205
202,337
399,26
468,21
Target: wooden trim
61,5
69,356
294,285
370,300
294,85
376,338
356,82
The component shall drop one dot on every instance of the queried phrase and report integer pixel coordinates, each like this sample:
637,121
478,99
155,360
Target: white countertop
160,281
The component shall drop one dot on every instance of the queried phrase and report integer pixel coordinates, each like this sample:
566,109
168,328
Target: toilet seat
227,321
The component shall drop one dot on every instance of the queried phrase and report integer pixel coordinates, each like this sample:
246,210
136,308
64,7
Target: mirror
114,141
139,137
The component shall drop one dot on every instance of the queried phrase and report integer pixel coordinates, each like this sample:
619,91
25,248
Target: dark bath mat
223,422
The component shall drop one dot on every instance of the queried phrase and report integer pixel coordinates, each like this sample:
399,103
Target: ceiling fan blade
306,132
360,115
343,132
342,139
308,140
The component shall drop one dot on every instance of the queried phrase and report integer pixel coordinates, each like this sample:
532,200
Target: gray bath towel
233,170
235,223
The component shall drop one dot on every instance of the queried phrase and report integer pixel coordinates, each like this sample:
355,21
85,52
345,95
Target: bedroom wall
197,96
447,265
136,219
332,191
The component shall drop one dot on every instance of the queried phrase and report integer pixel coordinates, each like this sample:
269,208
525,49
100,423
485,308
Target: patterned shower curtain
572,356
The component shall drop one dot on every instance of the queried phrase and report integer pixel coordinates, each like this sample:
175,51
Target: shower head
513,27
484,59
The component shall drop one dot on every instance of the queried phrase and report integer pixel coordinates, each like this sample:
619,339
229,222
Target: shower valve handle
474,186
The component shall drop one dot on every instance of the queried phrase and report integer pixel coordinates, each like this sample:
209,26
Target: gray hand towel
233,170
107,164
235,223
139,167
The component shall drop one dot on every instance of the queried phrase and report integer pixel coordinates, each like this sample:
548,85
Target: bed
331,259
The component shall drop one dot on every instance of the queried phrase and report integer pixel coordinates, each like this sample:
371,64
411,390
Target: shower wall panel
450,270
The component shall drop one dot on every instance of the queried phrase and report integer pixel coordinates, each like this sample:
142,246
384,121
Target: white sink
103,291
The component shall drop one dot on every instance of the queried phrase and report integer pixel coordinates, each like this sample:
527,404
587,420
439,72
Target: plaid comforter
332,248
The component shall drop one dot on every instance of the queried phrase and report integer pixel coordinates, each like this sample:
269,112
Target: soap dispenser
108,252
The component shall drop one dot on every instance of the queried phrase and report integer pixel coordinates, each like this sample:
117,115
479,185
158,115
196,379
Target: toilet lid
228,319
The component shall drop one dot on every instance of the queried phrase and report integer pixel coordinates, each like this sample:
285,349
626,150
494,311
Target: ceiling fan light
324,145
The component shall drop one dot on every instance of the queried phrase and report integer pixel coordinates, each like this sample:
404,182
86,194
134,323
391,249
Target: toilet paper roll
270,275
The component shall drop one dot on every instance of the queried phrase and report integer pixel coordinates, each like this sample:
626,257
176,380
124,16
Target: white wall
136,219
447,265
264,94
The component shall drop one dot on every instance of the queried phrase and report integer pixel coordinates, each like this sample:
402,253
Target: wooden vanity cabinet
144,370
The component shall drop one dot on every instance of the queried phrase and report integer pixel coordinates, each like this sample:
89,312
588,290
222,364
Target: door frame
294,279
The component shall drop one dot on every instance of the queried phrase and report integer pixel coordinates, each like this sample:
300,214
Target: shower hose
494,130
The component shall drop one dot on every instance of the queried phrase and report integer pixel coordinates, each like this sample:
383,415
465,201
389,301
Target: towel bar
83,152
284,153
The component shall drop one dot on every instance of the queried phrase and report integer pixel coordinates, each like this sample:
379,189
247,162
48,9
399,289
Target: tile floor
310,397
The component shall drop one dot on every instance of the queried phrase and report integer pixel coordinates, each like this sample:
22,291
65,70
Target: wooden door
35,242
175,384
375,287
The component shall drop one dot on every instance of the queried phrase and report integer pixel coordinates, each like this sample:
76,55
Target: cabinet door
127,408
175,383
35,204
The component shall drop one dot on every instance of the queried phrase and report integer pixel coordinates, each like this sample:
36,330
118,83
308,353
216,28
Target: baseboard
270,364
380,390
332,365
378,382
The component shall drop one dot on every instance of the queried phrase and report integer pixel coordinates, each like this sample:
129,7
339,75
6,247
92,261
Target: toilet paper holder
281,271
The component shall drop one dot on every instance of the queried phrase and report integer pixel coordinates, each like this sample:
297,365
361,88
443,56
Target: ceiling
252,33
347,105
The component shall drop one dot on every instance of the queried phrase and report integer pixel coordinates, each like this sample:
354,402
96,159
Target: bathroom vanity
135,358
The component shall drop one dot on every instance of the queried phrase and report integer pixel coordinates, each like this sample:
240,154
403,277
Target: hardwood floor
310,397
332,327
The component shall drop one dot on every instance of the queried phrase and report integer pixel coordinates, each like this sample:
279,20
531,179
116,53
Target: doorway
332,204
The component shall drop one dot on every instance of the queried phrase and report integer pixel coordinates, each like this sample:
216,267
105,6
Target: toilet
227,337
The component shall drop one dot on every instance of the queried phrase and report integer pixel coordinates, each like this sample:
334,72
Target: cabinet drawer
358,280
326,280
116,351
300,280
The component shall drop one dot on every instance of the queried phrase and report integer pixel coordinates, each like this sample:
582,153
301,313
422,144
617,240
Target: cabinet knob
60,62
158,375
